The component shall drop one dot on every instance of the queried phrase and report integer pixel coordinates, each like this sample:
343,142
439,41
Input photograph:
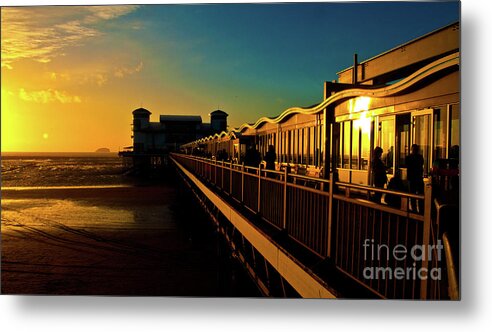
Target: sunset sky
71,76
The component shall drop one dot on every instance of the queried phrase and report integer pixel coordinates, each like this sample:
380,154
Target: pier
302,236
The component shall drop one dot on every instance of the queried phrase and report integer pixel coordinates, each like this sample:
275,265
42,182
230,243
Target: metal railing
336,220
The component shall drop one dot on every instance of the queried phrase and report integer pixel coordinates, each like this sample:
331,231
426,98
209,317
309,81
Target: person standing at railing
379,177
252,157
270,158
396,183
415,174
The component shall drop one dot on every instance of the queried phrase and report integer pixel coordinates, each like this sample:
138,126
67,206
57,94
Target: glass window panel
281,144
440,135
454,132
311,145
340,147
321,143
294,145
403,132
315,145
422,138
301,145
346,144
291,146
299,142
365,148
355,147
387,142
305,149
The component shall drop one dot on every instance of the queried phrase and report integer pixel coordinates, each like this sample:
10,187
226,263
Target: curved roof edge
233,134
424,72
390,90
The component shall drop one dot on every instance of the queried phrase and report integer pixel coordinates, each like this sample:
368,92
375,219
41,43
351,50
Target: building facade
172,130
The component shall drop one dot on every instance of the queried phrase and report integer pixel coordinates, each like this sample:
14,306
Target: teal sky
79,66
258,59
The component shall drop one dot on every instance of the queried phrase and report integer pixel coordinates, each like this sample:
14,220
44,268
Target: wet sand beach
108,241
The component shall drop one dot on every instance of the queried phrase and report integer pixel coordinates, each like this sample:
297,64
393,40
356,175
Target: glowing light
359,104
45,135
364,123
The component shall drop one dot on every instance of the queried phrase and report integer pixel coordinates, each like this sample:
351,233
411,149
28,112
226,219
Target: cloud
48,96
107,12
99,76
124,71
41,33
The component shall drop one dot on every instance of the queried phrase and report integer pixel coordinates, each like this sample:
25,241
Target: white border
473,313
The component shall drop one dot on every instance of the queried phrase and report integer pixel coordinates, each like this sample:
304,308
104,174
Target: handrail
453,287
314,179
376,189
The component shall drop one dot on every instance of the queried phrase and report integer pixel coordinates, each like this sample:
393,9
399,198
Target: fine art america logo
374,254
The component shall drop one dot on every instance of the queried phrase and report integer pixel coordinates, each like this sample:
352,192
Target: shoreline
117,194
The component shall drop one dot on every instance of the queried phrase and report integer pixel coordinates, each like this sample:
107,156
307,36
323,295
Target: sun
45,135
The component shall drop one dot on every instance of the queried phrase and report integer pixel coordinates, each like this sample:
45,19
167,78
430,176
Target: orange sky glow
72,75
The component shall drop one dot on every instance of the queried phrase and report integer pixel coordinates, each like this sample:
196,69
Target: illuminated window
321,143
403,135
355,147
311,146
365,149
454,131
295,142
387,142
440,134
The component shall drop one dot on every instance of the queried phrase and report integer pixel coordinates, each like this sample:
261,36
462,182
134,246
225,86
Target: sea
76,224
48,169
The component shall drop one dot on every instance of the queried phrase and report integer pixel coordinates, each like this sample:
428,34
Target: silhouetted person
396,183
252,157
270,158
415,174
222,155
379,177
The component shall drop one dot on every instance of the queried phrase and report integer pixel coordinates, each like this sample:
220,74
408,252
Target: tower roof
141,110
219,112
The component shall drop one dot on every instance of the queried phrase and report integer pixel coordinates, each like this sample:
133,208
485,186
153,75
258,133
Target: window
283,143
365,148
387,142
305,146
346,145
440,133
355,147
454,131
403,136
355,144
321,141
295,145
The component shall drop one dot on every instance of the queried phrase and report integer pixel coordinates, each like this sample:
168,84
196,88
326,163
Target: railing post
222,175
259,188
242,183
230,179
330,213
215,172
426,236
284,217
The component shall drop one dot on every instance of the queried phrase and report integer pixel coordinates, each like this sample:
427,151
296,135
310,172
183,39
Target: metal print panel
232,150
